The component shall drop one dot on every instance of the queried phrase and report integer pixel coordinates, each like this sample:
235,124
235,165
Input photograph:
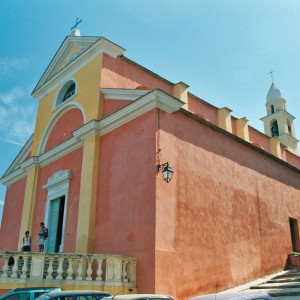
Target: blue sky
223,49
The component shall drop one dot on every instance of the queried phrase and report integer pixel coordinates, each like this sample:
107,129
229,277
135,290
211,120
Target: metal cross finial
271,74
77,22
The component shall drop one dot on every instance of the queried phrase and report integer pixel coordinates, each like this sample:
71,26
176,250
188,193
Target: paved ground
281,286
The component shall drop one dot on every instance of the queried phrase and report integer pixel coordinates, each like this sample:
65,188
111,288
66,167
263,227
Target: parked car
29,293
139,297
74,295
235,296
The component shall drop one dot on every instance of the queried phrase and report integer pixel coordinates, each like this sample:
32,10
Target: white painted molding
123,94
58,186
57,178
21,156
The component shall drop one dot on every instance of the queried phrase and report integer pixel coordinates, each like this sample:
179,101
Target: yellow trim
88,90
224,119
87,197
29,203
242,129
275,147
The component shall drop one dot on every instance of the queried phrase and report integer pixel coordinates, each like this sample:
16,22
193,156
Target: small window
274,129
70,92
66,92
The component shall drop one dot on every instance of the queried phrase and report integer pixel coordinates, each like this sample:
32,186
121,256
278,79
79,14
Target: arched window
289,127
66,92
272,108
274,129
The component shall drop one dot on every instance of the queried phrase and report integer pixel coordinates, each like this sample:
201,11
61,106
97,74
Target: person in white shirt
26,242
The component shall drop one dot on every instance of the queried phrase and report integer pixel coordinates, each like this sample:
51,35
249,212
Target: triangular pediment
70,49
74,51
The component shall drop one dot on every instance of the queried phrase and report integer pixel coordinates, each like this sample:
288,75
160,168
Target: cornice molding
21,156
155,99
277,114
123,94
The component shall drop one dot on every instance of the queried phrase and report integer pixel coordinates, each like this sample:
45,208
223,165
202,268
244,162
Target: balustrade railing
101,269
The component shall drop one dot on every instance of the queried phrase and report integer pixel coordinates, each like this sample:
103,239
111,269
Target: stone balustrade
98,269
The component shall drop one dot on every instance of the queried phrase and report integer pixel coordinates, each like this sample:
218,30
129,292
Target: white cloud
11,142
12,95
17,116
9,65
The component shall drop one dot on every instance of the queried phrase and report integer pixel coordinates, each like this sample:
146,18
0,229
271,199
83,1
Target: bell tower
278,122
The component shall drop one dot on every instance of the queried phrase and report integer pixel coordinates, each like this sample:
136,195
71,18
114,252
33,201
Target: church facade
106,130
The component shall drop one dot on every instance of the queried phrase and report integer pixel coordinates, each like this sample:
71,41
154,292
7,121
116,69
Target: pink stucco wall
123,73
259,138
125,221
202,108
72,162
12,213
63,128
111,106
227,206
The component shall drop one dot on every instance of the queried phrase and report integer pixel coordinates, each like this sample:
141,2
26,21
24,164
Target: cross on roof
271,74
77,22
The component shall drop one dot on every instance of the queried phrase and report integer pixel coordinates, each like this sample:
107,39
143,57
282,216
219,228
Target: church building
124,162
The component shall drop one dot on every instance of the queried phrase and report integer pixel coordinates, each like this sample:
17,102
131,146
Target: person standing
26,242
43,234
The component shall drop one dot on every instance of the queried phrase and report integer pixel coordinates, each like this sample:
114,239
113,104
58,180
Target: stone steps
285,286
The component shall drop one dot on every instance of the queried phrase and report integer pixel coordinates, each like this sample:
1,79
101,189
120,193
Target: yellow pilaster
87,197
29,203
180,91
275,147
242,129
224,119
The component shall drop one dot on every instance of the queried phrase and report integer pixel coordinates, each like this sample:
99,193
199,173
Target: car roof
236,295
35,288
139,296
77,292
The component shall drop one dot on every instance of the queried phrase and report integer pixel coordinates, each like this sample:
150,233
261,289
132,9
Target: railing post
124,273
99,269
60,268
89,269
15,267
79,270
5,267
50,268
25,267
70,269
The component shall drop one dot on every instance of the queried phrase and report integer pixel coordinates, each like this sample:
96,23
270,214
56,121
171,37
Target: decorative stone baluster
109,270
15,267
60,268
117,270
124,272
5,267
70,269
50,268
79,270
89,269
99,270
25,267
131,271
